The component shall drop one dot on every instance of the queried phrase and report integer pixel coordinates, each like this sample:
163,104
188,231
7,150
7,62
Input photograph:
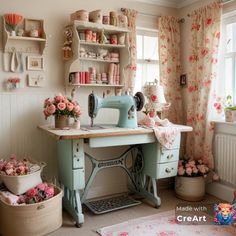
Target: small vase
61,122
76,124
190,188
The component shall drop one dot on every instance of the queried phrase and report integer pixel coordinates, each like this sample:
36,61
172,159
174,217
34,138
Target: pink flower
42,186
61,106
70,106
13,157
208,21
151,114
9,171
58,98
218,35
181,170
51,109
189,170
45,112
49,191
204,51
47,102
76,109
195,170
31,192
154,98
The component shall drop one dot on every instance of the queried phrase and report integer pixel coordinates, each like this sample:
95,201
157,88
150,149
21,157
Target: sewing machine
126,104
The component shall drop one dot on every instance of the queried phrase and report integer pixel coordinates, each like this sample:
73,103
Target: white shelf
96,60
102,44
97,26
98,85
26,38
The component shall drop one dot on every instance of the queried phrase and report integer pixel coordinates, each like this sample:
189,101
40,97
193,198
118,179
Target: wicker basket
20,184
33,219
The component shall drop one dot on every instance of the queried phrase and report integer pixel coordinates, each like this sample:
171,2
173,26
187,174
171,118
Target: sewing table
150,161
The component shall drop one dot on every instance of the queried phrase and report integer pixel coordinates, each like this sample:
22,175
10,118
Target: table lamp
156,101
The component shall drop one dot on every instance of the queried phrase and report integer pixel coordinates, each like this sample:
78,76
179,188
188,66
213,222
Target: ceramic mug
95,16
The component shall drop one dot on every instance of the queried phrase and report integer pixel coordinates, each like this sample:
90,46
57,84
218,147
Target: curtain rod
152,15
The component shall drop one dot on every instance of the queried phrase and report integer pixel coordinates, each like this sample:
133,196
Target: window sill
225,127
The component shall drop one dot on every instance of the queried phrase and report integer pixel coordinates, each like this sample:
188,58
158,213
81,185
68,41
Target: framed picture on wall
32,25
35,63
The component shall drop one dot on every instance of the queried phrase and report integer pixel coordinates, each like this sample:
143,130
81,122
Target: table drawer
166,170
168,155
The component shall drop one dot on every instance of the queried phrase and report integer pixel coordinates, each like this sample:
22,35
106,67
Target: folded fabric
9,198
164,130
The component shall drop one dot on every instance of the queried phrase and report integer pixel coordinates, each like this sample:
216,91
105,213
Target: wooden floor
93,222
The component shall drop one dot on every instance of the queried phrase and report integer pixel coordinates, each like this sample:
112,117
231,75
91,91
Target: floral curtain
169,51
130,70
205,34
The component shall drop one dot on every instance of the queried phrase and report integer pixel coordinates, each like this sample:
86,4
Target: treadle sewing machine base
150,161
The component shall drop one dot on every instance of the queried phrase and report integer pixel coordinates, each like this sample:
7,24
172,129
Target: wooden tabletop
101,131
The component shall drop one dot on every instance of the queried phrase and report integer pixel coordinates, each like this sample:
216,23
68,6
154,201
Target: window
227,84
147,57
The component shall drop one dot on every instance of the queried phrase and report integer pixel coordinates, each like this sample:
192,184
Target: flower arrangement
192,168
37,194
14,167
224,103
13,83
13,20
61,106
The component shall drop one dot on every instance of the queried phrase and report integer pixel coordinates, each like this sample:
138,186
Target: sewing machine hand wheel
139,100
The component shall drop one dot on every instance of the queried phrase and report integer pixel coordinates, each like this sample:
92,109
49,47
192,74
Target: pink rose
42,186
51,109
61,106
13,157
9,171
76,109
70,106
151,114
181,170
49,191
189,170
31,192
154,98
58,98
47,102
46,114
180,163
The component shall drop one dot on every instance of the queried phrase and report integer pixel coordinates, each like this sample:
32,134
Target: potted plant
226,105
62,108
190,182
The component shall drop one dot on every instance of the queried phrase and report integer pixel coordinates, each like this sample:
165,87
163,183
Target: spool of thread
113,18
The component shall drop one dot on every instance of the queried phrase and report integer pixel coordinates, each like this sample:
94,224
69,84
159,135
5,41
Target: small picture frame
35,63
183,80
33,25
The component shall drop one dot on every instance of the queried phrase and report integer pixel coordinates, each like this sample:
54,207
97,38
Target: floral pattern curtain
130,70
205,34
169,51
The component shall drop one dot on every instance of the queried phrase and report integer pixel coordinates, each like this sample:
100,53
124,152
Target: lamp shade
160,94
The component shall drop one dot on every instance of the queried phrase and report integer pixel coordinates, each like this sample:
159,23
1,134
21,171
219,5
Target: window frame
227,19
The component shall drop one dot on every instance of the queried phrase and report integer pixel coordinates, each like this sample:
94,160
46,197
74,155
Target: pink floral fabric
205,34
169,50
130,70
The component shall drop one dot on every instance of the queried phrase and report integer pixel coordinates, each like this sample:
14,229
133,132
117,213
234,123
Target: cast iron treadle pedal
111,204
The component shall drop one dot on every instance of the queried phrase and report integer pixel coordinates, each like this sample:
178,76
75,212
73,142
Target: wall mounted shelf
24,43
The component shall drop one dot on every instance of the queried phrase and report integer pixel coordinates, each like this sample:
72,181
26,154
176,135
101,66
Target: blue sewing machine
126,104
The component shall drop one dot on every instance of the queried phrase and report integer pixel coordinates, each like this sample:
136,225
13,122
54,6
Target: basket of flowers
19,175
190,182
36,212
62,108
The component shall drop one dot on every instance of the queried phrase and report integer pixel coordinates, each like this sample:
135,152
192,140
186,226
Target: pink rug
164,224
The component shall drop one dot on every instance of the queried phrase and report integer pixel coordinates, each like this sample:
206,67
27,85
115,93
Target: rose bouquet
61,106
14,167
37,194
192,168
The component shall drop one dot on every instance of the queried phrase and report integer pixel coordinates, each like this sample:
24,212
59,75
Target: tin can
113,39
94,37
106,20
113,18
88,35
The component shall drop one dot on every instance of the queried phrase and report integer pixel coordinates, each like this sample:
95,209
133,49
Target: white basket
21,183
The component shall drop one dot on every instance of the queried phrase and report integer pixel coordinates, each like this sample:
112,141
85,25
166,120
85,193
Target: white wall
21,111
